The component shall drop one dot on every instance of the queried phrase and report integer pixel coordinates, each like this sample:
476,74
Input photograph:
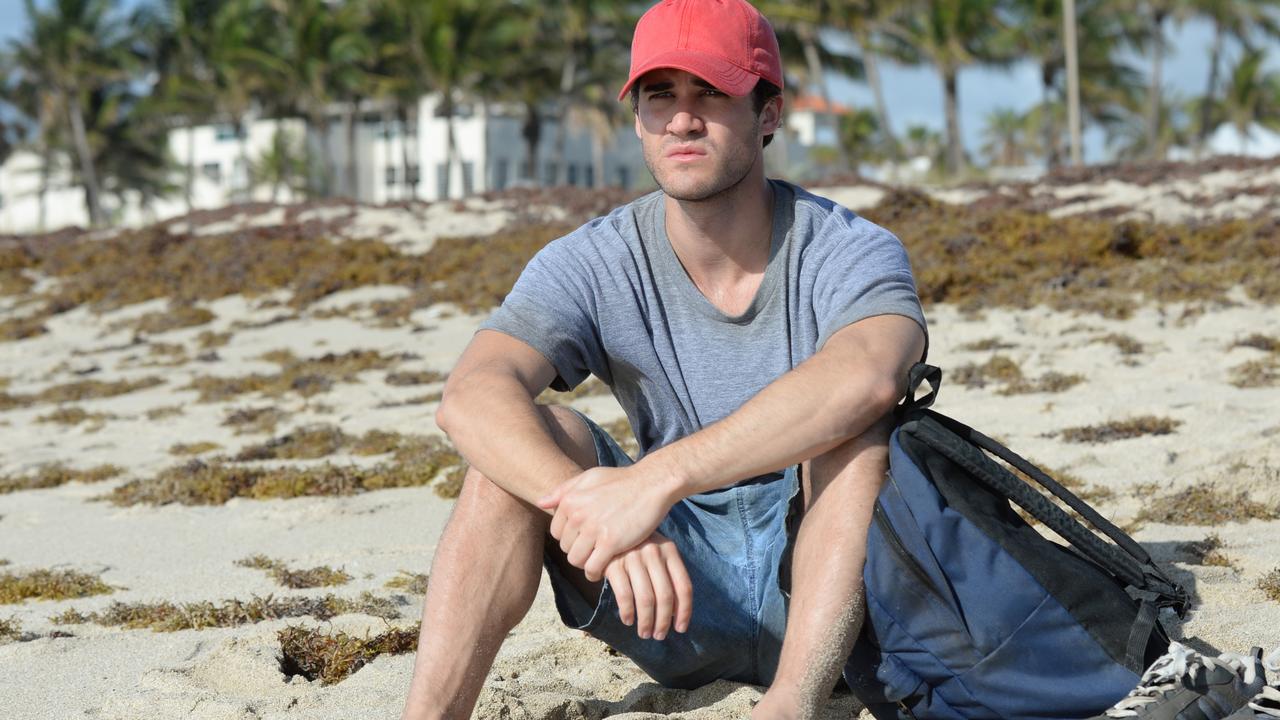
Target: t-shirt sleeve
861,271
552,309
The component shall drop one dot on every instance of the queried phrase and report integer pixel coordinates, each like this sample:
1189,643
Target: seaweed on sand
42,584
55,474
170,617
1206,504
332,656
320,576
1121,429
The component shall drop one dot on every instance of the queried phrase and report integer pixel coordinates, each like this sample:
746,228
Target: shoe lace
1166,672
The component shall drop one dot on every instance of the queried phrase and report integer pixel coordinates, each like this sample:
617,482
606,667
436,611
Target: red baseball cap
728,43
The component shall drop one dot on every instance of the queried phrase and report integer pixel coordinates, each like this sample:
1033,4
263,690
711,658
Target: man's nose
686,121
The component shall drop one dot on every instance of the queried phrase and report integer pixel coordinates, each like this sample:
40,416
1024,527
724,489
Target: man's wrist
673,480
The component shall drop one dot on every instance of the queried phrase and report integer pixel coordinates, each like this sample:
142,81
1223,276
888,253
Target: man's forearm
495,425
831,397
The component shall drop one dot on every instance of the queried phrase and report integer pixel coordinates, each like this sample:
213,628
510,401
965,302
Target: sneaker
1266,704
1183,680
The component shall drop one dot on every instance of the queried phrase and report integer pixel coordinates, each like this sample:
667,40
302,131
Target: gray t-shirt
612,299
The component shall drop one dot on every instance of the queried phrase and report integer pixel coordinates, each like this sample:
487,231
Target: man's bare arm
840,392
836,395
487,410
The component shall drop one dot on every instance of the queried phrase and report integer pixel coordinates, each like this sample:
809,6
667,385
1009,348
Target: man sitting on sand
757,336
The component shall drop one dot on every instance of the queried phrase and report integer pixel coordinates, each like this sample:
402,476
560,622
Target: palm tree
863,20
448,42
74,48
1252,96
951,35
322,60
1005,138
1156,14
1237,19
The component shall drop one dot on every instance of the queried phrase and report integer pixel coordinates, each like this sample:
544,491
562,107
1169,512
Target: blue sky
914,95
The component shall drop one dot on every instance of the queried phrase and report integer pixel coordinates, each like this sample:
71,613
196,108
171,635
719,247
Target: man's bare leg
827,602
483,581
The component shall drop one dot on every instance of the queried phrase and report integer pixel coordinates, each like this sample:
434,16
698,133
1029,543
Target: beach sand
1163,361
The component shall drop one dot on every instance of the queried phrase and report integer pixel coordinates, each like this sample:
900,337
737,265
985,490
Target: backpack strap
1126,559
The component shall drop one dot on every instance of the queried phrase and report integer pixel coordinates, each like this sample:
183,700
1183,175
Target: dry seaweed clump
306,377
1258,341
168,617
1270,584
177,316
215,482
1257,373
321,576
320,440
9,631
450,487
164,411
78,391
49,585
22,328
989,254
74,416
415,583
1126,344
1004,370
1206,552
1121,429
1206,504
415,377
195,448
55,474
254,420
986,344
331,657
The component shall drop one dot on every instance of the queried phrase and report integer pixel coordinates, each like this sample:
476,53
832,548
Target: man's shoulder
613,230
823,219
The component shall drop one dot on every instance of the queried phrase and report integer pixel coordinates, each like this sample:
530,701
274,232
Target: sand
1228,436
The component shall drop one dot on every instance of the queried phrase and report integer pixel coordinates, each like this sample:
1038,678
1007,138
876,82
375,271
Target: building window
573,174
212,171
624,177
442,180
391,176
500,170
590,179
549,174
526,172
468,177
227,132
411,175
388,130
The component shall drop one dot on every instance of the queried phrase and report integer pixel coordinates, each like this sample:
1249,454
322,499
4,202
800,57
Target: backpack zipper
899,549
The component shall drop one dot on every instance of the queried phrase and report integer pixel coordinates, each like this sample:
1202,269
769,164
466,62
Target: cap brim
724,75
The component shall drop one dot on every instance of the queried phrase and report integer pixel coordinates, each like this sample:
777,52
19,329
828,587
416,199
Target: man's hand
603,512
652,588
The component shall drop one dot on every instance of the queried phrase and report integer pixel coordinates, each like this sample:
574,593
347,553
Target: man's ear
638,135
771,115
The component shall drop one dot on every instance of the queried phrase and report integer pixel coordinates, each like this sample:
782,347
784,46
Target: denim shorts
733,542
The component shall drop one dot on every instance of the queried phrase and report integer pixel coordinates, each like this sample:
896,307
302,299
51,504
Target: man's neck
726,240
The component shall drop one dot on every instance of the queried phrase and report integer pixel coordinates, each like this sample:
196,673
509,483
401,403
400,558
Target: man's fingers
595,565
683,587
622,594
663,594
579,551
642,589
557,524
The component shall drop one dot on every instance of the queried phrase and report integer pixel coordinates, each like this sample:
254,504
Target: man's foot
1182,679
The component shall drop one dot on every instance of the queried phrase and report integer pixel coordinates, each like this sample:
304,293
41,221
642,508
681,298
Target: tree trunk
242,135
387,156
872,64
532,133
88,174
1073,81
955,143
405,157
567,75
451,149
1206,107
321,124
1049,127
1154,150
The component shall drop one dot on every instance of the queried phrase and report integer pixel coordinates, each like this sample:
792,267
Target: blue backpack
972,613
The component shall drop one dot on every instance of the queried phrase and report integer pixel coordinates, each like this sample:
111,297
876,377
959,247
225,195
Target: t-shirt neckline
783,200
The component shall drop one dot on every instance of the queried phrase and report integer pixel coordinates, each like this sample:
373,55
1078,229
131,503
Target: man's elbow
872,400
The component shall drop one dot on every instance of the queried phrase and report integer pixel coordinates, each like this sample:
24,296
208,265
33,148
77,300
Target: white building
390,164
